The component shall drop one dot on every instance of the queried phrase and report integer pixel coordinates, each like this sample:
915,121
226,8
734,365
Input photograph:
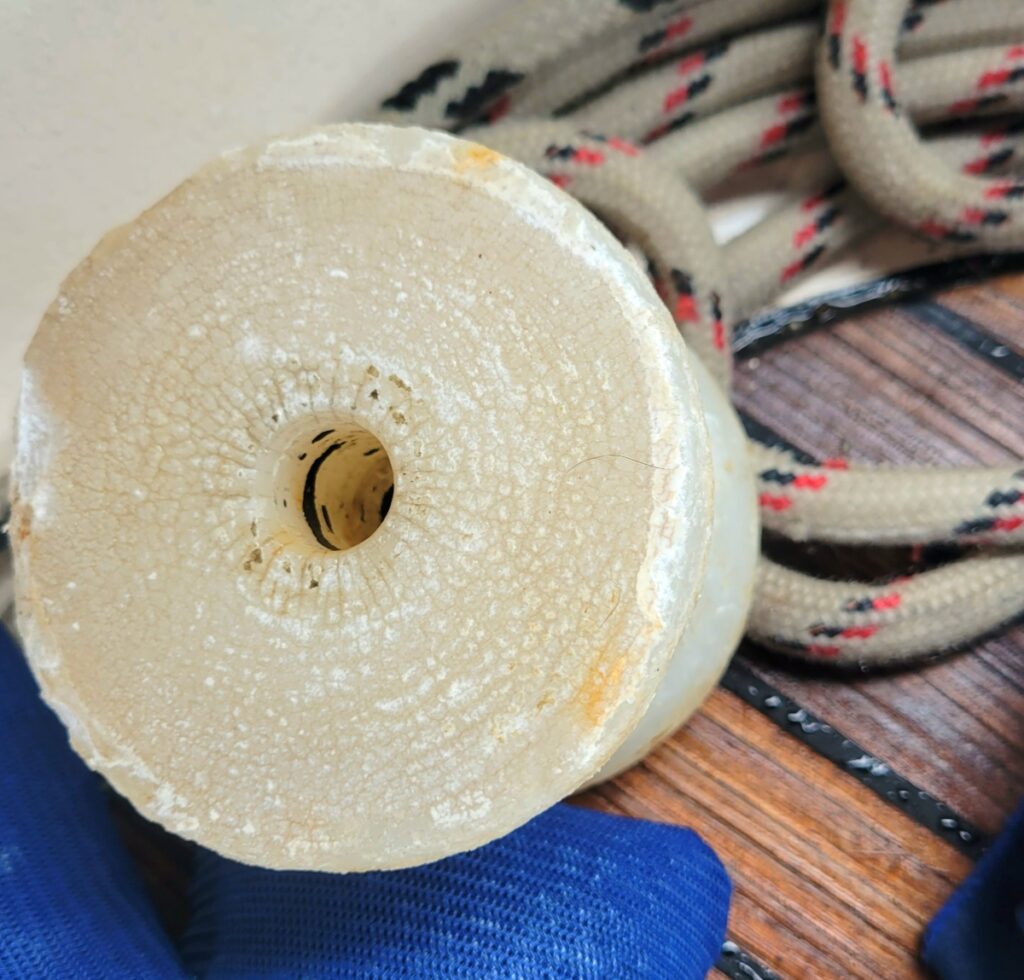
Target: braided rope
831,215
757,131
929,27
648,41
703,81
870,625
875,143
724,103
520,43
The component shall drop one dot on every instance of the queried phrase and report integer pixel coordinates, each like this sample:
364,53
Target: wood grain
887,388
956,726
997,308
830,880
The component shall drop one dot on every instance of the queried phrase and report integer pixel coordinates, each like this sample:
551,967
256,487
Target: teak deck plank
831,880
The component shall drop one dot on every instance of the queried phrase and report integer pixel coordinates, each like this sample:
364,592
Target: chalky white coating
719,618
488,648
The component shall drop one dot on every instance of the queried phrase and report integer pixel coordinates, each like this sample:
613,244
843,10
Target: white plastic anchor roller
364,504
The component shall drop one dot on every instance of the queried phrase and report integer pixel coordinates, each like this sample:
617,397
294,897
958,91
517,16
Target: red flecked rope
731,96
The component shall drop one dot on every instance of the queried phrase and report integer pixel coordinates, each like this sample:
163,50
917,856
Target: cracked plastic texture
718,620
486,649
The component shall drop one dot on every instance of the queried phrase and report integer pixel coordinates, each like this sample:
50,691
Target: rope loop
656,103
876,144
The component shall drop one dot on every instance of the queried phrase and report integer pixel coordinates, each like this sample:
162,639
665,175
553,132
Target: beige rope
665,32
797,238
875,143
847,623
712,149
741,87
705,81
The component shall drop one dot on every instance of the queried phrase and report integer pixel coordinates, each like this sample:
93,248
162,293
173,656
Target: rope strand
877,146
713,87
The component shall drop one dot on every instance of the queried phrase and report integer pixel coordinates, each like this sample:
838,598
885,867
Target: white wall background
105,105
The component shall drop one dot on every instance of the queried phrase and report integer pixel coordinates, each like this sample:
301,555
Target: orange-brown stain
476,157
21,521
599,688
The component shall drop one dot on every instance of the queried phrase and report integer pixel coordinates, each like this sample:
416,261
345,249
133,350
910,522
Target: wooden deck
846,807
837,871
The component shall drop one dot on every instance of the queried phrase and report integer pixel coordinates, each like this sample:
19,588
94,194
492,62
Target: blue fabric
979,932
71,902
572,894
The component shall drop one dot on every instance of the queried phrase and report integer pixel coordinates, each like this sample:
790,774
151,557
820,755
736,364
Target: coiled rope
637,107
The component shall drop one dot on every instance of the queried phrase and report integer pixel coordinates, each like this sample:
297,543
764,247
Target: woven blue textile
572,894
71,902
979,932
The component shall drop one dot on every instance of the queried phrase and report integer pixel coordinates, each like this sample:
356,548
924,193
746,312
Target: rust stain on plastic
476,157
20,524
600,689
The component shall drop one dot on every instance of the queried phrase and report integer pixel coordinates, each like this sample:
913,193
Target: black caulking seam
969,335
737,964
894,789
764,330
766,436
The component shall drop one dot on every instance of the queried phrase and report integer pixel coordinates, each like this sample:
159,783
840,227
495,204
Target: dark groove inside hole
345,489
385,502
